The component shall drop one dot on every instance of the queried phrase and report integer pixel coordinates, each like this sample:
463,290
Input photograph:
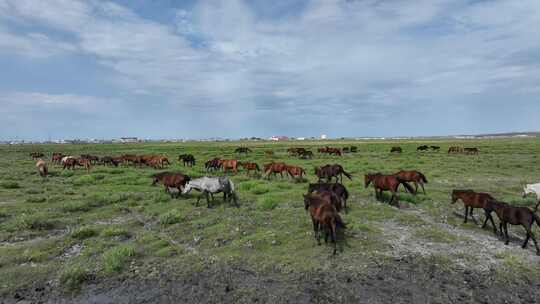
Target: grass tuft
115,259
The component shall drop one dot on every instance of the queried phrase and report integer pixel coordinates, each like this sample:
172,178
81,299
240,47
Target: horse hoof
538,253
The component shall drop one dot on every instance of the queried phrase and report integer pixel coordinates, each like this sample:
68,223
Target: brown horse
473,200
383,182
324,216
295,171
171,180
335,151
515,216
416,177
229,164
337,188
56,158
471,151
331,171
250,167
109,160
296,151
213,164
41,165
36,155
396,150
274,168
455,150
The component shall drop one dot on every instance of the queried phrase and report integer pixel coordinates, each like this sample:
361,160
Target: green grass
116,216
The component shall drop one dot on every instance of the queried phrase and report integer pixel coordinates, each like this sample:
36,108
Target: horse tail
408,187
423,177
346,193
348,175
340,223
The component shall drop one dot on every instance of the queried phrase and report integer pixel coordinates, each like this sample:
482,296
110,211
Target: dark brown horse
36,155
171,180
109,161
274,168
337,188
416,177
250,167
515,215
187,159
473,200
330,171
383,182
244,150
396,150
213,164
324,216
56,158
455,150
471,151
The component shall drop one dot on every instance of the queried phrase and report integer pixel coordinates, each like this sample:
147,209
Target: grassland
76,228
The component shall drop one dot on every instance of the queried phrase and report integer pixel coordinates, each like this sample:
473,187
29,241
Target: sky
238,68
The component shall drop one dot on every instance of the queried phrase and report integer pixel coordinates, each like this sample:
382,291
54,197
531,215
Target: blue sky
233,68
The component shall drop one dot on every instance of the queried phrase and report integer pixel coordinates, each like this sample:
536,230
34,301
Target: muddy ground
407,280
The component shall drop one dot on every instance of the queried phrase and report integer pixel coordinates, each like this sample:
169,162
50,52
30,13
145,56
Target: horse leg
466,213
198,199
334,236
528,230
207,199
316,231
535,243
415,187
492,223
472,216
506,233
423,189
344,204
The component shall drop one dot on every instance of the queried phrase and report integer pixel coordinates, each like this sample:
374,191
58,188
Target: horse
295,171
244,150
56,158
413,176
422,148
335,151
36,155
324,216
345,149
68,162
211,185
337,188
176,180
296,151
471,151
330,171
383,182
435,148
93,159
455,150
41,165
473,200
231,164
353,149
109,160
187,159
515,215
532,188
213,164
322,150
396,150
306,154
249,167
274,168
129,159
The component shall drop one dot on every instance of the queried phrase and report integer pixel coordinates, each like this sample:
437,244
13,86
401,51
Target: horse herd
325,199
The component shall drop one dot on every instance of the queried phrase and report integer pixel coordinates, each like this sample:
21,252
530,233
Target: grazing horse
413,176
231,164
331,171
306,154
354,149
345,150
296,151
435,148
211,185
56,158
249,167
471,151
41,165
36,155
108,160
396,150
187,159
515,215
93,159
295,171
244,150
473,200
335,151
337,188
176,180
213,164
455,150
532,188
383,182
422,148
274,168
324,216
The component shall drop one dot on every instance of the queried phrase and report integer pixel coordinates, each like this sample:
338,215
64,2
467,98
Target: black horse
187,159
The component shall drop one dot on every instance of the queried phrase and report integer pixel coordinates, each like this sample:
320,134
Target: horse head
187,188
367,179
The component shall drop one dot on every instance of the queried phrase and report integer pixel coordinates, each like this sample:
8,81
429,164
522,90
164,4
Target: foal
473,200
413,176
324,216
516,216
337,188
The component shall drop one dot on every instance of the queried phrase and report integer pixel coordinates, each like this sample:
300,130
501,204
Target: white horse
210,185
532,188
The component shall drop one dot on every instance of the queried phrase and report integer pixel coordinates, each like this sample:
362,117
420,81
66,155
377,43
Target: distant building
129,139
278,138
323,136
